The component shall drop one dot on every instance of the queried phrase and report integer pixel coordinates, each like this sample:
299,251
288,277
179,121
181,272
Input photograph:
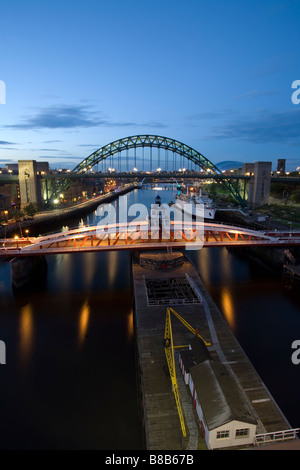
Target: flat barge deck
160,416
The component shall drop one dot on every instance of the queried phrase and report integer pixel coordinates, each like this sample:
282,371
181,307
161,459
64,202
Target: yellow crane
169,351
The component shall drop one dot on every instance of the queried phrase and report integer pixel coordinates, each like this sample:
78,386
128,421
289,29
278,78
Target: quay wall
272,258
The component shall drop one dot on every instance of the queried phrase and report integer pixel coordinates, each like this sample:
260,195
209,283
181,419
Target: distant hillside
229,165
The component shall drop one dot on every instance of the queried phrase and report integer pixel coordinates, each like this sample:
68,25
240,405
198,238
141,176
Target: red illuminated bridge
142,236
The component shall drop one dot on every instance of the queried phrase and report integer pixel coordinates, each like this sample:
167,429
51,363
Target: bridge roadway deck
144,236
161,421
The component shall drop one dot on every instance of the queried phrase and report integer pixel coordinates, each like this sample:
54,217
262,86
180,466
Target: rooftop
219,395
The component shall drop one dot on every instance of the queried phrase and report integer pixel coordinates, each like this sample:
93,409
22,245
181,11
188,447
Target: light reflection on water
84,321
112,267
26,333
70,345
228,308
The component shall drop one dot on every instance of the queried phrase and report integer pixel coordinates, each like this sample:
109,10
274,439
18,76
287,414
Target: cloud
4,142
263,127
256,93
70,117
56,117
48,150
210,115
276,65
89,145
56,157
154,124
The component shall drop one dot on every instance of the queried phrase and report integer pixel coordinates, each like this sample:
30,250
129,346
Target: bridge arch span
159,142
151,141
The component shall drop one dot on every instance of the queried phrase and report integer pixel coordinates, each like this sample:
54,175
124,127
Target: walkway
144,235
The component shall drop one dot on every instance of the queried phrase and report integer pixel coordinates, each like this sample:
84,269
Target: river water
70,380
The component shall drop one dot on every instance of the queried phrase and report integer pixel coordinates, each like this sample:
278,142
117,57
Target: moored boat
188,204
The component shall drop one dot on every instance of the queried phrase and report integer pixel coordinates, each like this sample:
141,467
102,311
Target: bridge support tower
259,186
28,182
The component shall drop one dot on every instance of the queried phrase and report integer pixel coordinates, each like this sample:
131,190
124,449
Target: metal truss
151,141
122,237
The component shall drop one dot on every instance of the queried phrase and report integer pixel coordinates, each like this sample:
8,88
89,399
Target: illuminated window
242,432
222,434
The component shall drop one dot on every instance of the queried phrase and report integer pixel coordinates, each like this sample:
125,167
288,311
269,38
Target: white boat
188,204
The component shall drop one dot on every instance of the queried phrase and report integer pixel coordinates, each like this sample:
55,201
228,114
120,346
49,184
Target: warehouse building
225,417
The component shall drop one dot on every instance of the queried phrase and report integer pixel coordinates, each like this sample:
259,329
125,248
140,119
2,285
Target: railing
121,235
274,437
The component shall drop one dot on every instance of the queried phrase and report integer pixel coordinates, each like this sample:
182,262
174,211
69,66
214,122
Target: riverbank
46,217
273,259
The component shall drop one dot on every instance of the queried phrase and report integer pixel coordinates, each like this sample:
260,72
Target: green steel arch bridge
178,149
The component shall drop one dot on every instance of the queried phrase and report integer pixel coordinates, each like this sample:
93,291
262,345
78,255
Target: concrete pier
27,271
161,420
291,275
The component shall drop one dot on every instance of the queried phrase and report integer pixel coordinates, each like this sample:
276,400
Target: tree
31,209
295,196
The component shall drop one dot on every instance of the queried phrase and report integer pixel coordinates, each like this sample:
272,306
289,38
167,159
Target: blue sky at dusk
215,75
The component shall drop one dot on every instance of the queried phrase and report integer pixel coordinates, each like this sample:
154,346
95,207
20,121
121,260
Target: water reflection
89,262
26,332
84,321
228,308
112,267
62,275
97,288
203,259
225,264
130,326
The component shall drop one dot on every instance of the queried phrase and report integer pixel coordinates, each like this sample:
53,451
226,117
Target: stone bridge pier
28,271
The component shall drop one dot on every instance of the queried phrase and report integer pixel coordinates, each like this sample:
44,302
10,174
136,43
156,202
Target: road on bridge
142,236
